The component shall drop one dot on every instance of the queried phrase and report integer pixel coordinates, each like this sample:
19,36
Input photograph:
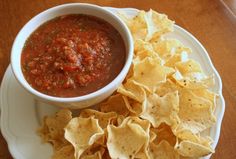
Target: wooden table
212,22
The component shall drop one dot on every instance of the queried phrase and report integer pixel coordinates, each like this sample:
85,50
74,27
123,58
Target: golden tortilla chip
143,50
82,133
163,151
116,104
176,58
162,109
138,26
53,128
141,45
191,149
134,107
149,73
167,87
145,124
195,112
157,25
126,140
193,83
207,94
148,25
132,90
167,48
103,118
143,153
186,135
188,67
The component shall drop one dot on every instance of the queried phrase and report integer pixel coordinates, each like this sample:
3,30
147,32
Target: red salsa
72,55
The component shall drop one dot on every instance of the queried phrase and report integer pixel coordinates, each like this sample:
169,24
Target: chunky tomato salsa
72,55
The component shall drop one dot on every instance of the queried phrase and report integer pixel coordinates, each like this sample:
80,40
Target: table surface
212,22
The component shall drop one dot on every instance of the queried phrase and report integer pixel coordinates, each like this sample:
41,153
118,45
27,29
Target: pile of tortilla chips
160,111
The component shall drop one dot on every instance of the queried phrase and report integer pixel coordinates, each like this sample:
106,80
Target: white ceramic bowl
73,8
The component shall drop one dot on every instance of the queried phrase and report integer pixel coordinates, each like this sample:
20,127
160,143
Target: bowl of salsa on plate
74,55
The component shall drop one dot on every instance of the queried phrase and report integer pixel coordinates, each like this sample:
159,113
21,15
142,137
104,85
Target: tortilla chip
195,112
136,120
162,109
82,133
150,74
103,118
141,45
53,128
188,67
126,140
207,94
176,58
163,151
116,104
132,90
148,25
168,48
186,135
157,25
167,87
143,50
143,153
186,82
191,149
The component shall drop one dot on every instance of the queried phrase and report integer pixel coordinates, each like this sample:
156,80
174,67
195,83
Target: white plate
21,113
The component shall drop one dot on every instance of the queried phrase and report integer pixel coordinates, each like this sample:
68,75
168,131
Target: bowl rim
118,79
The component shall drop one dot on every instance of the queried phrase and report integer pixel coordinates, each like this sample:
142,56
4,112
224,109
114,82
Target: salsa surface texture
72,55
